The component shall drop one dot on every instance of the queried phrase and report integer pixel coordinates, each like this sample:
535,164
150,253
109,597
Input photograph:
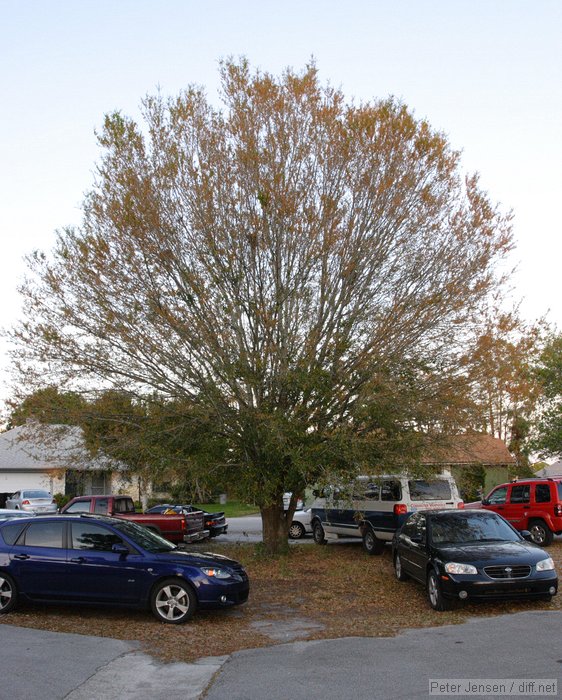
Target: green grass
232,509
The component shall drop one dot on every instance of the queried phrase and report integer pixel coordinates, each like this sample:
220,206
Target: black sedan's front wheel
173,601
434,593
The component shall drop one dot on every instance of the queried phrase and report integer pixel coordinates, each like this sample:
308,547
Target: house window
99,485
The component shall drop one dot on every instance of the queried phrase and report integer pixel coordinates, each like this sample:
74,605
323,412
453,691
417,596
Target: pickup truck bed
181,528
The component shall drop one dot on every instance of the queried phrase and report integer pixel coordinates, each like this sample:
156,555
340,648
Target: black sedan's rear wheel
434,593
398,570
173,601
8,593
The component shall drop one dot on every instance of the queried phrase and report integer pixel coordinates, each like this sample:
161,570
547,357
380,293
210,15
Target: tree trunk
275,529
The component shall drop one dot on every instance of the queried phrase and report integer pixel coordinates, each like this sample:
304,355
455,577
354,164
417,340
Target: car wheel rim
538,535
172,603
369,540
432,590
295,531
5,593
398,567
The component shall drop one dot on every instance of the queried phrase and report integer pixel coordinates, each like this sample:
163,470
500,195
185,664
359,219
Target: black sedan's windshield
144,538
464,528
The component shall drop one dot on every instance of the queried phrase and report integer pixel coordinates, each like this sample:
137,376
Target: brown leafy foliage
266,261
338,586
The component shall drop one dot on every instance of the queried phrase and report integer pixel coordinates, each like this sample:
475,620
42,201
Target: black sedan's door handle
21,556
78,560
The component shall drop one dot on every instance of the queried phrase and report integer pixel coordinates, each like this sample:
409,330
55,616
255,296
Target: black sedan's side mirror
526,535
417,539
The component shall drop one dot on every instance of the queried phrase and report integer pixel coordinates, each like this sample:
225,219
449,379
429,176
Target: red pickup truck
185,527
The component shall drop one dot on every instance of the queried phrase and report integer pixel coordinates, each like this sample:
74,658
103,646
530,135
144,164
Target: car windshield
35,494
144,538
464,528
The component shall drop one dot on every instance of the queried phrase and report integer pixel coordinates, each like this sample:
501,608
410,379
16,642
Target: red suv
530,504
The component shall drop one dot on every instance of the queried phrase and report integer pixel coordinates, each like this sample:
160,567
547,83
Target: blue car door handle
78,560
21,556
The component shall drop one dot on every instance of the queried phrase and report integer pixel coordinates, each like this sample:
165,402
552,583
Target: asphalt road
518,650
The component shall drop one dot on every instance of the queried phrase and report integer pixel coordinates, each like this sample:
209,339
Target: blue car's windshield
464,528
144,538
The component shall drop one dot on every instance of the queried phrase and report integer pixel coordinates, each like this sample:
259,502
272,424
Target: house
476,460
54,457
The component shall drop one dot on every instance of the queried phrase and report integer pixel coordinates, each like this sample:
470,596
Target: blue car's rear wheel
8,593
173,601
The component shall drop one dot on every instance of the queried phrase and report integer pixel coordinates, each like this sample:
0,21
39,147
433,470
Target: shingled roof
45,448
472,449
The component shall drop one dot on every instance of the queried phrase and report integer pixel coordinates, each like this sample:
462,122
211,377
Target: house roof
473,449
550,470
34,447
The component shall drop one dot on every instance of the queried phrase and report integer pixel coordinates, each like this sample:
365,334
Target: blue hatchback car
97,559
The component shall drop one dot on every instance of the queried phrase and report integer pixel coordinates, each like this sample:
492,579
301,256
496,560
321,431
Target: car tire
296,531
541,534
371,543
173,601
318,534
434,593
8,593
398,570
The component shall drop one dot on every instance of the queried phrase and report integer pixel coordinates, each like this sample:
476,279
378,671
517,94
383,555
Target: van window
372,492
436,490
390,490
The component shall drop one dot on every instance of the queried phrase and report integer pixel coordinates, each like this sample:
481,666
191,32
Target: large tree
548,429
275,262
503,385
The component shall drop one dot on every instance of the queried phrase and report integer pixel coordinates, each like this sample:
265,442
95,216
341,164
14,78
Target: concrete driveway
520,648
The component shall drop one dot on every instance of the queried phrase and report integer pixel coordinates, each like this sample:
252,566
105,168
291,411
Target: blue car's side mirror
119,549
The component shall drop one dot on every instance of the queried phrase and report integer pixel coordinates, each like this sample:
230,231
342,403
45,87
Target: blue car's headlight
454,568
213,572
545,565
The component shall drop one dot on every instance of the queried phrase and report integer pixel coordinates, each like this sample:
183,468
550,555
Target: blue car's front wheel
173,601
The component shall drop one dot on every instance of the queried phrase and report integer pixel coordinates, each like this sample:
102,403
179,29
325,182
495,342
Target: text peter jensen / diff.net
493,686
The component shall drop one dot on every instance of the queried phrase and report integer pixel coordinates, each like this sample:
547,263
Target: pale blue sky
486,72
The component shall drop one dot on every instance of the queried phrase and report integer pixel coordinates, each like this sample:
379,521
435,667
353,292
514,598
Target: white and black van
373,508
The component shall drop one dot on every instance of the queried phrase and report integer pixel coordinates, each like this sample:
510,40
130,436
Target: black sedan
471,555
214,522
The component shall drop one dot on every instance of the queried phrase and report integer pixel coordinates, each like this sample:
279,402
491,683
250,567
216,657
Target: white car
32,501
287,501
301,524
